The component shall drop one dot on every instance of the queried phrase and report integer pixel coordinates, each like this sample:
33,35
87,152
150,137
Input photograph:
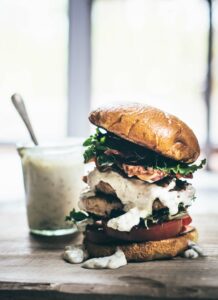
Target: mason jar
53,181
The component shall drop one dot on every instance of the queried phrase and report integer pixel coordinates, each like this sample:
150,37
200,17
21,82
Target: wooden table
32,268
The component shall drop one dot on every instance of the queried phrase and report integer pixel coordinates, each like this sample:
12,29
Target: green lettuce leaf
95,145
98,143
181,168
77,216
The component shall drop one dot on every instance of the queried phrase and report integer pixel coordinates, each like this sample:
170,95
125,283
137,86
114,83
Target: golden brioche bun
146,251
149,127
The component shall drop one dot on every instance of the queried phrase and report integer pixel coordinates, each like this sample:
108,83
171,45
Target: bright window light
33,60
152,52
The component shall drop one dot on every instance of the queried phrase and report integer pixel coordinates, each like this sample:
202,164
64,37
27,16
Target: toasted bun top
151,128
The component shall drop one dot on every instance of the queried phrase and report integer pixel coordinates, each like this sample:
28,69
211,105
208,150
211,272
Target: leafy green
159,216
163,214
95,145
76,216
181,168
98,143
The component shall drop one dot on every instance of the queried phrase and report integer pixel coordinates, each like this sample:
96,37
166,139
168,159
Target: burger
138,191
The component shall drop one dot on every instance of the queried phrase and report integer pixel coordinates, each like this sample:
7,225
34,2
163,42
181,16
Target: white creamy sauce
75,254
53,184
193,251
134,193
117,260
190,254
126,221
86,193
78,254
197,248
81,226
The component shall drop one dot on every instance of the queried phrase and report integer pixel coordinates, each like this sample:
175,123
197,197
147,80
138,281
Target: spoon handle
20,107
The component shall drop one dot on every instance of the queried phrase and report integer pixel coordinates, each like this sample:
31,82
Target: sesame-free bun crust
151,128
147,251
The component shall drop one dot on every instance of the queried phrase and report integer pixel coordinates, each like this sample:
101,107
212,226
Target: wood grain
32,267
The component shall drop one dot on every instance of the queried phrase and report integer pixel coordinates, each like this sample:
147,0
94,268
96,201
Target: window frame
80,89
79,67
79,72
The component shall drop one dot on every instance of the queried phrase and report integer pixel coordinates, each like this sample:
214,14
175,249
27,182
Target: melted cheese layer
134,193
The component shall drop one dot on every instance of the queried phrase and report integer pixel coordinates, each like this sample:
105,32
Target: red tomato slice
187,229
186,220
97,235
156,232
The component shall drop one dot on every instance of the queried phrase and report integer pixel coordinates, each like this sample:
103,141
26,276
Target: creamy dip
115,261
78,254
190,254
52,179
194,246
134,193
126,221
75,254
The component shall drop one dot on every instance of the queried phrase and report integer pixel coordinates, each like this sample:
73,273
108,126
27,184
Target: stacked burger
138,193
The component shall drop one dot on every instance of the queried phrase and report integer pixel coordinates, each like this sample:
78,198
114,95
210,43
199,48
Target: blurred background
67,57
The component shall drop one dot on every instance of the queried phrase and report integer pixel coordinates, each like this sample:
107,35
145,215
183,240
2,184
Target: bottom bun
146,251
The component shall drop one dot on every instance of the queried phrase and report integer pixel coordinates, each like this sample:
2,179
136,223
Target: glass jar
52,181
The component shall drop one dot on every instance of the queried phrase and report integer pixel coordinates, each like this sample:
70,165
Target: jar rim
65,144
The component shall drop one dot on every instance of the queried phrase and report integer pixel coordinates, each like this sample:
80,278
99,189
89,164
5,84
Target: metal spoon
20,107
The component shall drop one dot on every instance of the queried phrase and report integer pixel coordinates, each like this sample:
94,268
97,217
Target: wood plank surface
31,267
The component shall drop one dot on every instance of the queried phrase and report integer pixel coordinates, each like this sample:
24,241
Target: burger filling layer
112,152
133,193
136,197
